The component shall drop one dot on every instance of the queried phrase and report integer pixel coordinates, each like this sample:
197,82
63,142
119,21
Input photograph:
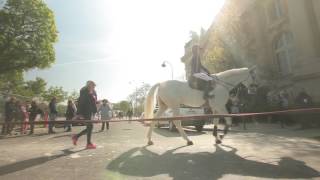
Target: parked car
184,111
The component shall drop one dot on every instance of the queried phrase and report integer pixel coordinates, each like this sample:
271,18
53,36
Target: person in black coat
200,74
53,113
196,66
86,109
70,113
9,115
33,112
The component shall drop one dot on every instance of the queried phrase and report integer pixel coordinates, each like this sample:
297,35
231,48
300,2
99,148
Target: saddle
200,84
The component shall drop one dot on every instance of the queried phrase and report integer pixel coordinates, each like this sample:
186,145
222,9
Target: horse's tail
149,102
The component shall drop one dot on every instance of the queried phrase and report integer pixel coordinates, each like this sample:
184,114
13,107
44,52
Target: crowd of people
254,100
24,115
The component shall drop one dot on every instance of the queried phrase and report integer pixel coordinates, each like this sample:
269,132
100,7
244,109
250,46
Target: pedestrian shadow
166,133
61,136
142,162
21,165
2,137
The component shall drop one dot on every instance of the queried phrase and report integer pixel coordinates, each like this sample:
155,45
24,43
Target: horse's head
250,77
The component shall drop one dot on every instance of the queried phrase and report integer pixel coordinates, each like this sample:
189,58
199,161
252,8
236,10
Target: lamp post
164,64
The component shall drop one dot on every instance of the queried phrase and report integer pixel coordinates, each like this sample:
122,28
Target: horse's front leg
227,126
215,130
178,125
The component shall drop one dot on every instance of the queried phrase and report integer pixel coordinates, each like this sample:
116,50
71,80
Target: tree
123,106
215,55
74,95
137,98
57,92
38,86
11,82
27,35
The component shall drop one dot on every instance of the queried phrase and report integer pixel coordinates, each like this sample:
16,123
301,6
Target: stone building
282,37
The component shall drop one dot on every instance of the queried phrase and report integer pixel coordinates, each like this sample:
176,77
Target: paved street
267,153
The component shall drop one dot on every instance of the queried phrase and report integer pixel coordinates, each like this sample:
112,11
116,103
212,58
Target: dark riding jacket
196,66
87,103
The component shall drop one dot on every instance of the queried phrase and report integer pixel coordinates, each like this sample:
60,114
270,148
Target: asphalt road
267,152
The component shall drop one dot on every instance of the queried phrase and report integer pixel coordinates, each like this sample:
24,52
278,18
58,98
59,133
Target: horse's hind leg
178,125
162,109
152,124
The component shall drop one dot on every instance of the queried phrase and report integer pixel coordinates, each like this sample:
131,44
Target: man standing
130,114
9,115
104,111
304,100
70,113
52,114
86,109
34,112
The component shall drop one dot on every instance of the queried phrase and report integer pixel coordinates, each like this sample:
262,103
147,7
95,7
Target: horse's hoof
150,143
189,143
221,136
218,141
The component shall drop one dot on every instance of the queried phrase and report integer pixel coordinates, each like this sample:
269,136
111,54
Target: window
275,10
284,52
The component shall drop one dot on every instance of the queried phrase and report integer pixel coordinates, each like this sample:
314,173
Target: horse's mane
230,73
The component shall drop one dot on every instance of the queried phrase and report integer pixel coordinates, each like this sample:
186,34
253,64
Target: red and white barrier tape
182,118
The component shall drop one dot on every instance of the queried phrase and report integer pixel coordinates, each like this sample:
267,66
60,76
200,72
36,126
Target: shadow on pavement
21,165
166,133
205,165
61,136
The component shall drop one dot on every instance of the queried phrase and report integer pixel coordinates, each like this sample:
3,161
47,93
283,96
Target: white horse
171,94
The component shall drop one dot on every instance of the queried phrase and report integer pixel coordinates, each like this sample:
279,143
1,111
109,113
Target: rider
198,71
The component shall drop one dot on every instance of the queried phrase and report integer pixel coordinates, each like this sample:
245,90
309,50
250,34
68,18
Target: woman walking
86,109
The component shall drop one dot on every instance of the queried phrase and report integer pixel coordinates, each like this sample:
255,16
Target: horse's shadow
204,165
166,133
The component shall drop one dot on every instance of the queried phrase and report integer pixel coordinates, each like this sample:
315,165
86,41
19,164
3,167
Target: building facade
281,37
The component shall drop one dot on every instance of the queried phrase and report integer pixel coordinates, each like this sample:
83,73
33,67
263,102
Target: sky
121,44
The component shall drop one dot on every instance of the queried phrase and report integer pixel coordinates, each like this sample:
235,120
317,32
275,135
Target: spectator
284,105
9,115
235,108
87,108
104,111
19,115
52,114
24,110
34,112
70,113
130,114
304,100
